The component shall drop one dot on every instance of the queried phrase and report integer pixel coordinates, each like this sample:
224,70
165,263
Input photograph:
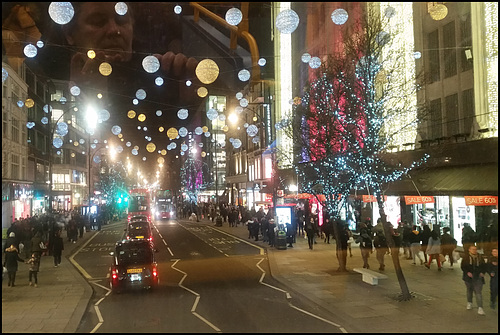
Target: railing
236,31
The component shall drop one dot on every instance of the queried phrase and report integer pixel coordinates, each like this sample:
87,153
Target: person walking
272,233
34,263
11,240
474,268
406,239
10,262
57,248
381,248
433,249
37,243
424,238
365,244
493,272
448,245
415,245
469,237
310,228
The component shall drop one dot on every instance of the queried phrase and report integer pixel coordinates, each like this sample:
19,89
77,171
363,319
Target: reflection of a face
473,250
100,28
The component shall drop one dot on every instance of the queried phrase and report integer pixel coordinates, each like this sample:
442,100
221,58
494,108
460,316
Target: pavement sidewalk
59,302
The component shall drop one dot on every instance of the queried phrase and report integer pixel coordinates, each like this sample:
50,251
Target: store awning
457,180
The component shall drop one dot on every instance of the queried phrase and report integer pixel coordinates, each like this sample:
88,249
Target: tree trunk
405,293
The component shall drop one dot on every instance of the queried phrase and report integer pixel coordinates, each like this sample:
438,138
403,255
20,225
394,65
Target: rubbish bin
281,241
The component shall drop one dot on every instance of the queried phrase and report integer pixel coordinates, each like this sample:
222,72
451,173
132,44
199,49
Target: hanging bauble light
287,21
234,16
207,71
339,16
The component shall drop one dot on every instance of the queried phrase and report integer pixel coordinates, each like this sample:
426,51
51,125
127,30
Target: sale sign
421,199
371,198
482,200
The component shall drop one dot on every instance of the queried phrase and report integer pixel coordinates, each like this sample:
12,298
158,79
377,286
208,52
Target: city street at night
250,167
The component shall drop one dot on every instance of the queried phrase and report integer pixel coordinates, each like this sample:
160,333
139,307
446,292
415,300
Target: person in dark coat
11,259
35,244
474,268
469,237
272,233
492,266
365,244
310,228
11,240
448,244
381,248
57,247
424,237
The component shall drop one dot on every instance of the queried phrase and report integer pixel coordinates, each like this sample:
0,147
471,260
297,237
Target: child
34,262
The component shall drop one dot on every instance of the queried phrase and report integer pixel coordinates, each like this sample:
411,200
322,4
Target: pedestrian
300,221
434,249
415,245
406,239
381,248
493,272
310,232
10,262
327,229
424,238
289,234
57,248
448,245
272,233
474,268
11,240
34,263
349,240
37,244
365,244
469,237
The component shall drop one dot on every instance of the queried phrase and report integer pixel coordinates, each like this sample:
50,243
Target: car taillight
154,271
114,275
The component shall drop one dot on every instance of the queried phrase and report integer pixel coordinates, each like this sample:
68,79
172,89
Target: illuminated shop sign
483,200
411,200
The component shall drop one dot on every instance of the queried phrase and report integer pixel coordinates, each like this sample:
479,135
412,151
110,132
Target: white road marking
197,299
289,297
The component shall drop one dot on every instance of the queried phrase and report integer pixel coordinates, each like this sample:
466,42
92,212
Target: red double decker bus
139,203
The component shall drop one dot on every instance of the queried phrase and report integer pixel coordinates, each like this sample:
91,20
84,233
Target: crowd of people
30,238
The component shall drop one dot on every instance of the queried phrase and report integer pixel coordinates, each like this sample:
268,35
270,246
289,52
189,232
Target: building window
436,130
468,109
450,51
433,46
23,168
14,167
452,122
466,32
5,124
39,173
15,130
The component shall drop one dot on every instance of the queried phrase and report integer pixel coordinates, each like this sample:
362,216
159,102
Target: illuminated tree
195,177
361,106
